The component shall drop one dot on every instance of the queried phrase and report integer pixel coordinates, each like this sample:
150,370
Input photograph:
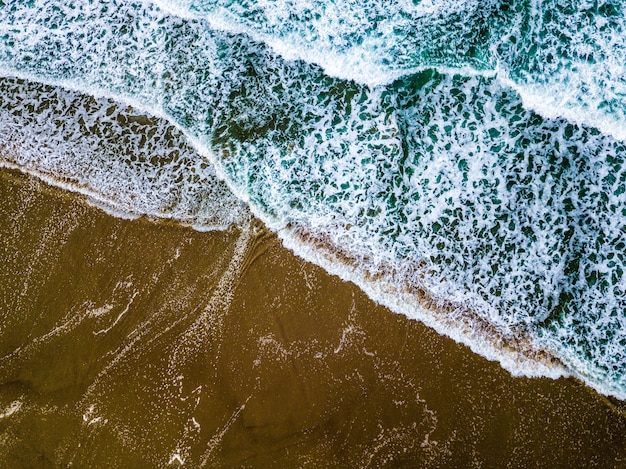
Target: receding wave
441,193
126,162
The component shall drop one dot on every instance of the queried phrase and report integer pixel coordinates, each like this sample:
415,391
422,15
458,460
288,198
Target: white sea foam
565,60
372,43
125,162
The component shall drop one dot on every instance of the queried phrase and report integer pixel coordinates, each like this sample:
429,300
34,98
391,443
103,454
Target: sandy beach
138,343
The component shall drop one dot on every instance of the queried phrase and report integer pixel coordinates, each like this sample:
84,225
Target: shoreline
527,355
141,343
452,320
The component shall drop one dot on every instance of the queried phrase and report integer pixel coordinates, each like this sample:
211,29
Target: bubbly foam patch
370,42
439,182
124,161
565,59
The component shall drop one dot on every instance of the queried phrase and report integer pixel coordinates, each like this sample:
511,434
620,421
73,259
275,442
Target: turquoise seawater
471,150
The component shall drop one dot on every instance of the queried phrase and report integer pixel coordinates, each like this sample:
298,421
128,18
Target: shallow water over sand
143,344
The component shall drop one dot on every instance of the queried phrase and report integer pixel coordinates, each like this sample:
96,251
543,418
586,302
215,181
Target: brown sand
142,344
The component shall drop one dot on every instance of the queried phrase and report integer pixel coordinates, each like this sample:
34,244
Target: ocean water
461,161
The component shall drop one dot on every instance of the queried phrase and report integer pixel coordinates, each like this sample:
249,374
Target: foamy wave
372,43
564,60
128,163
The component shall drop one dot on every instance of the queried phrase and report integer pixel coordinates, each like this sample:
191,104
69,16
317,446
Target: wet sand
148,344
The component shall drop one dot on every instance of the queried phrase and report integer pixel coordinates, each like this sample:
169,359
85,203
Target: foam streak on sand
400,150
